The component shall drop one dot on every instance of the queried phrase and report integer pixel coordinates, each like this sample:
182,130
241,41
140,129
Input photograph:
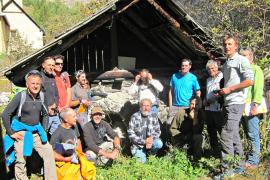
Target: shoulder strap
23,97
41,95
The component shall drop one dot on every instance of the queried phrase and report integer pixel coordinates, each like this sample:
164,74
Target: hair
64,112
198,101
145,99
47,58
34,73
230,36
211,63
79,73
249,50
144,70
59,56
186,60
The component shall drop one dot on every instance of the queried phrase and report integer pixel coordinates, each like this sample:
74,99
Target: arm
242,85
258,86
59,157
68,97
74,101
89,139
133,90
157,85
131,133
156,129
79,145
198,93
170,97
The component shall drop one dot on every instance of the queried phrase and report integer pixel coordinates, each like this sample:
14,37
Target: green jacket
255,92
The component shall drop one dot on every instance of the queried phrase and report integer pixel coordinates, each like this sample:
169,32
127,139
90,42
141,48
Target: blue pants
140,154
54,122
251,128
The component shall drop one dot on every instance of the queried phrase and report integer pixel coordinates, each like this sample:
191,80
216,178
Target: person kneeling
70,160
100,149
187,127
144,131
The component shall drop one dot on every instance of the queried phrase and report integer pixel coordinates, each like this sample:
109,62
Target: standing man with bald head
51,93
251,121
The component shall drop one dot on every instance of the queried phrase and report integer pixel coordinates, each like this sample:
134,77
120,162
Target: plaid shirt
135,130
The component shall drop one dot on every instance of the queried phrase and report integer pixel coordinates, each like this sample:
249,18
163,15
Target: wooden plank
114,43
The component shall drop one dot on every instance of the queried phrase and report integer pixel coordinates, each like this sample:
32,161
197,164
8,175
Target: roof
5,18
23,11
167,24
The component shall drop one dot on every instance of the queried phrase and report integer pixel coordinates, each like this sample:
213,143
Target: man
51,93
96,132
237,76
62,83
80,99
67,133
26,131
251,121
213,105
183,85
145,86
187,127
144,132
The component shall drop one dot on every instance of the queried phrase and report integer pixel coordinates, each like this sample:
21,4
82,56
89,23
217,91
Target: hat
96,110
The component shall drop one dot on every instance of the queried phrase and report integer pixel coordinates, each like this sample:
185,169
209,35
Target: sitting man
144,131
22,120
99,149
187,127
68,149
146,87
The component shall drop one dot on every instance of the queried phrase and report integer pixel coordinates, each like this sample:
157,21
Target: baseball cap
96,110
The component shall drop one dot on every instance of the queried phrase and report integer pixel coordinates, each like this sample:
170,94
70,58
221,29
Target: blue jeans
54,122
140,154
251,128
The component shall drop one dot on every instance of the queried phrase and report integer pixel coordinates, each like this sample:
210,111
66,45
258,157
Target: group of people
63,126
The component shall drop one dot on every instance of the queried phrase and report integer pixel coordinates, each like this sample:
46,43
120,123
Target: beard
144,113
144,81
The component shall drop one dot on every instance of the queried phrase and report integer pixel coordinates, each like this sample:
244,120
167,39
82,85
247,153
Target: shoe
240,171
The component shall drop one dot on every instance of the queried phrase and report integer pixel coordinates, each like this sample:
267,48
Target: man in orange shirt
62,83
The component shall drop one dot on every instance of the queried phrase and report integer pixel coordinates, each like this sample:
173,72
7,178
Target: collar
234,56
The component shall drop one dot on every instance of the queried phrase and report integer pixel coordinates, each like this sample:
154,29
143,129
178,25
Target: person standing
144,132
51,93
237,76
251,121
145,86
213,105
25,130
62,83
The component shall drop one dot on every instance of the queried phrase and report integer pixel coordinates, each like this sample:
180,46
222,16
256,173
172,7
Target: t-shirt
62,83
183,87
62,135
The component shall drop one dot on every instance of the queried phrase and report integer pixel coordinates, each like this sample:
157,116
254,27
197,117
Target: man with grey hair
237,76
251,121
213,105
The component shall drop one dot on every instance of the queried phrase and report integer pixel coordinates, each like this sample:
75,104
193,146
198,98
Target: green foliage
175,165
56,16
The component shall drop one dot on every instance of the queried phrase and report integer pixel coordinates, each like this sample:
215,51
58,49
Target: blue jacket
28,139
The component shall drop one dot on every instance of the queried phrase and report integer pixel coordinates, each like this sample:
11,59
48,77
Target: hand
114,154
253,111
137,78
225,91
68,159
52,109
150,77
149,142
85,102
18,136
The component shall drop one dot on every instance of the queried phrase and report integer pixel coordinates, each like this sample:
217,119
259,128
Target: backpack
23,97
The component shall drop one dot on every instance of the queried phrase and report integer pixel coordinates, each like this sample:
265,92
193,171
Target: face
185,67
58,65
230,47
145,107
82,79
49,66
192,104
33,84
212,70
71,118
97,117
248,55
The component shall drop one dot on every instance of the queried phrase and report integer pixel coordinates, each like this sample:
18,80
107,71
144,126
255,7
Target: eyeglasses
33,73
59,64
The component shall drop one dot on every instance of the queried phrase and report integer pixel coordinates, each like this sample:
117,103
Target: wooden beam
148,43
114,43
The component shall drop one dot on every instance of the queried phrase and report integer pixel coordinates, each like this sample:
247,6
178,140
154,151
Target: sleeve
9,112
133,90
176,123
156,128
157,85
110,131
66,79
132,133
89,139
196,84
245,70
258,85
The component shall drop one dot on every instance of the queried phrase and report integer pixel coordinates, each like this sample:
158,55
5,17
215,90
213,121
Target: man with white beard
144,132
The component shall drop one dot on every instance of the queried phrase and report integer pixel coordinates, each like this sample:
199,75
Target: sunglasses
58,64
79,73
